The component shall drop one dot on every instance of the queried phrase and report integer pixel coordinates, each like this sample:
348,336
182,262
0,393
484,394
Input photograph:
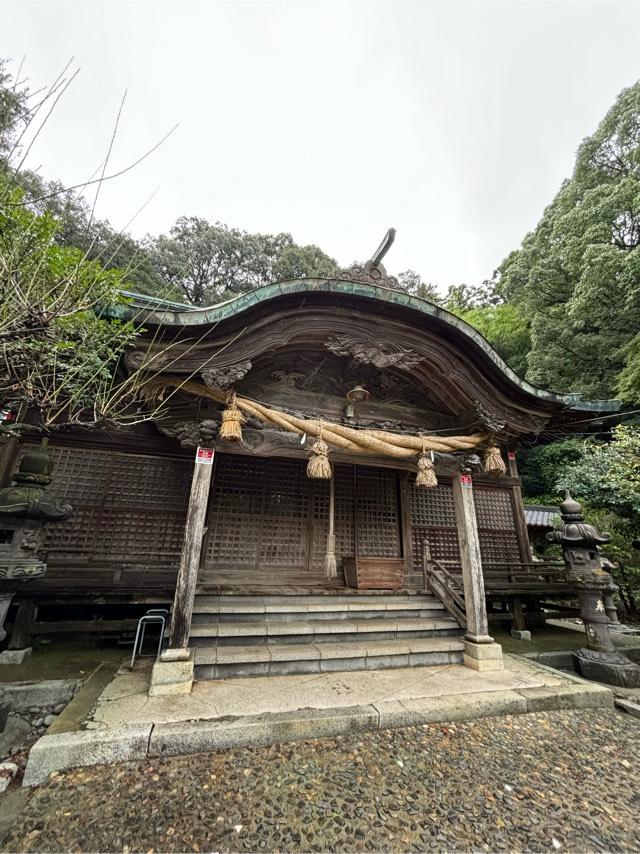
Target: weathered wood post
480,651
173,673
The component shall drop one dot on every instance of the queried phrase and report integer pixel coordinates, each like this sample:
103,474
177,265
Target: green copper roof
166,313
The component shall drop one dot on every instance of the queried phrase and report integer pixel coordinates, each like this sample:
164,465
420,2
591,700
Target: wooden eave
458,360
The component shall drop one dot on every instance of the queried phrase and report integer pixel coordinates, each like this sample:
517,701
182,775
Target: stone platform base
14,656
613,668
126,724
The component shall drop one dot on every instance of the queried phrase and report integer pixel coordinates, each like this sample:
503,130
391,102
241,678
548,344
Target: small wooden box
373,573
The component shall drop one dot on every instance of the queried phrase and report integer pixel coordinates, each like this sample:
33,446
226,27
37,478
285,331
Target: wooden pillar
474,596
405,522
191,548
524,546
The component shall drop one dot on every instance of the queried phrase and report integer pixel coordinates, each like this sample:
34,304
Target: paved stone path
553,781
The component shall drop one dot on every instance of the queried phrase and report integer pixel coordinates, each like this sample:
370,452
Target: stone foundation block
483,656
14,656
172,676
521,634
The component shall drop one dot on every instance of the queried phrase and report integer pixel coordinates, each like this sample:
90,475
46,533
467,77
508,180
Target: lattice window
494,508
144,535
238,485
233,540
496,525
73,536
161,484
433,519
432,507
80,476
126,507
286,489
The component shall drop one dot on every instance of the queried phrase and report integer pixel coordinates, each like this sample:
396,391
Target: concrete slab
47,692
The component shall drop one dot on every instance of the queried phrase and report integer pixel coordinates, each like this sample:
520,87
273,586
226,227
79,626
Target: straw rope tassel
330,563
232,419
319,465
493,462
426,477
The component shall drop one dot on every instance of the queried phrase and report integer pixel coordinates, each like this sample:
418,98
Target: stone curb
92,747
628,706
184,737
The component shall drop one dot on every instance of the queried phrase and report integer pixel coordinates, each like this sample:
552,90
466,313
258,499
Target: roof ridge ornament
372,272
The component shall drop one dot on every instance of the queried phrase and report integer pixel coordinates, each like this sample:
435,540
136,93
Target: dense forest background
563,309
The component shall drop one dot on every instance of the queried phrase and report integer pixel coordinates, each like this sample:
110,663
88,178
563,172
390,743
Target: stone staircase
256,635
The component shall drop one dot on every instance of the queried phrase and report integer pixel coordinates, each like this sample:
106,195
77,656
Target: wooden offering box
373,573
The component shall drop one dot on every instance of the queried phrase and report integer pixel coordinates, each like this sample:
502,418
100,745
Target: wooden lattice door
268,522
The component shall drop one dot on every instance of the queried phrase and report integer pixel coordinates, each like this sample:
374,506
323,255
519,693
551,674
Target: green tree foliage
208,261
607,475
59,355
14,111
577,276
539,466
77,227
412,283
506,329
298,262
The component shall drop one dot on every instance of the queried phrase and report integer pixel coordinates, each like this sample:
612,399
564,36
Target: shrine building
330,483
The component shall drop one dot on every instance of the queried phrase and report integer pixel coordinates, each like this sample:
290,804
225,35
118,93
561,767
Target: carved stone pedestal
614,668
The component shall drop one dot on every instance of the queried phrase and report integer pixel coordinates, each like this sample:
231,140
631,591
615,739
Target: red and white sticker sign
465,479
204,456
512,455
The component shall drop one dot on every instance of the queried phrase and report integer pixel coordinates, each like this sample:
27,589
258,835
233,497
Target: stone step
329,607
218,662
320,631
313,599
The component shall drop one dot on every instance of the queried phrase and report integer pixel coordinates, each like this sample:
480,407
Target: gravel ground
556,781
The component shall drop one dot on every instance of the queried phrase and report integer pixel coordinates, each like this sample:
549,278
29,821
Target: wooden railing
444,579
514,575
444,585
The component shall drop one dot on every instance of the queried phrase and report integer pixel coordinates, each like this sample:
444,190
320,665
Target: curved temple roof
167,314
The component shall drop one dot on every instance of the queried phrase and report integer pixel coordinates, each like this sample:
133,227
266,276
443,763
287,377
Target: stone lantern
24,510
580,541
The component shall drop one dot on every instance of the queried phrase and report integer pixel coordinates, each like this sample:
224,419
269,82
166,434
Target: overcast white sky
454,122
